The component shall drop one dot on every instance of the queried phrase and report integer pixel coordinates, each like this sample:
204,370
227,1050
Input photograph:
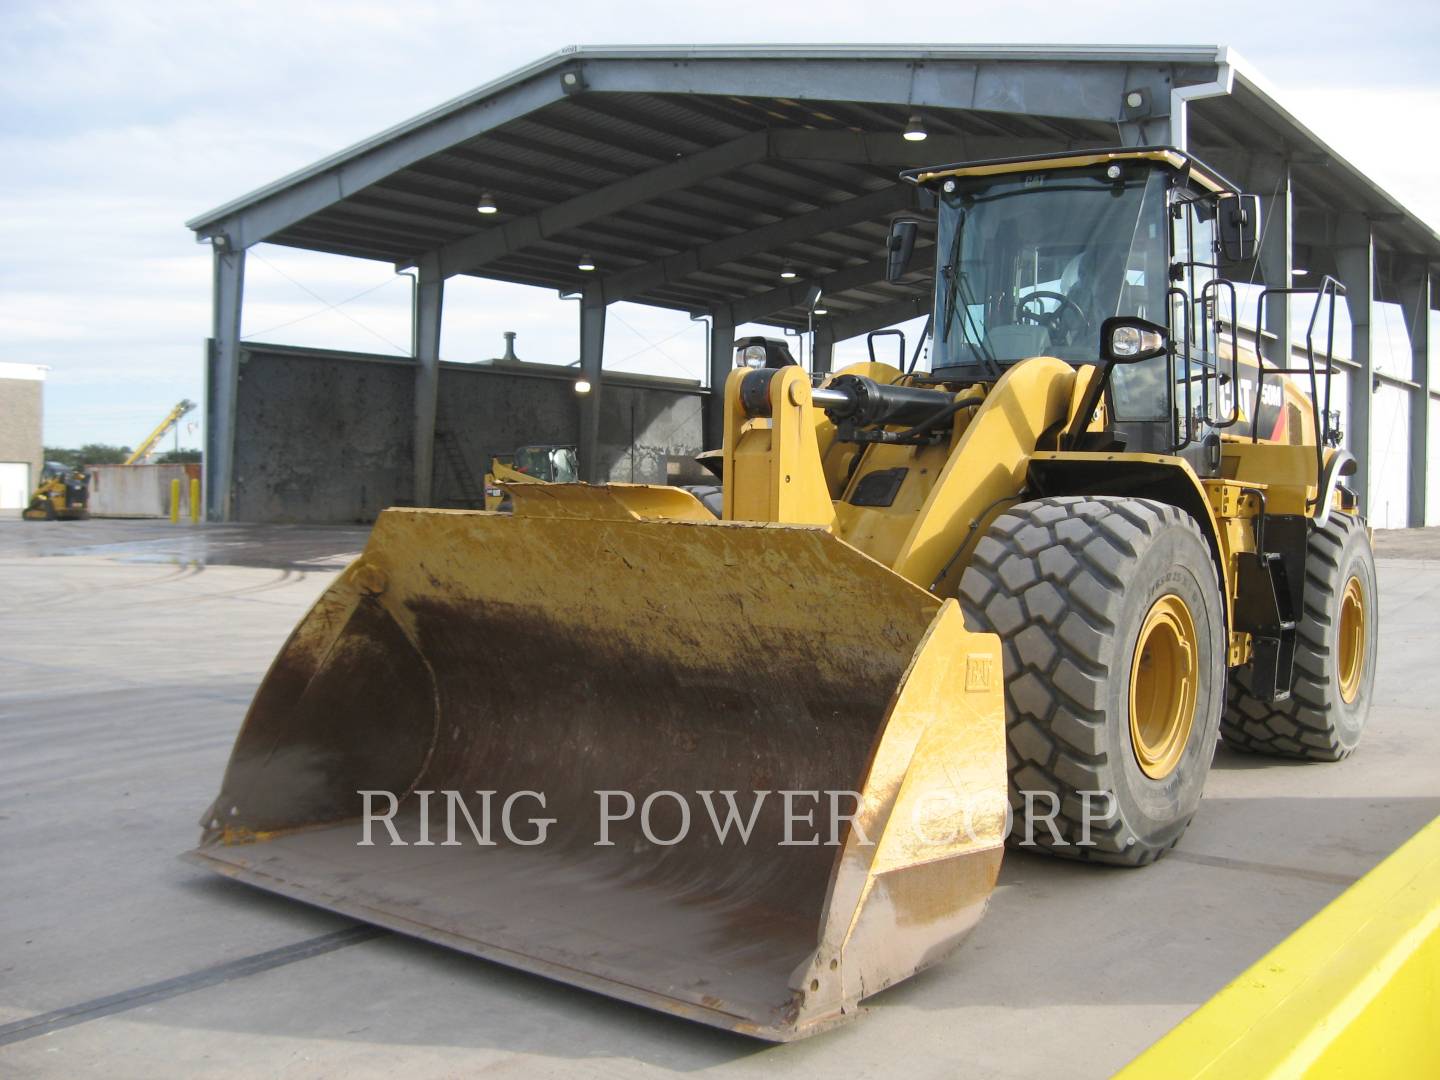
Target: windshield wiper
951,273
981,345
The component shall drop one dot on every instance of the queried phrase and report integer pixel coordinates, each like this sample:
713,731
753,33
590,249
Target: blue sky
118,121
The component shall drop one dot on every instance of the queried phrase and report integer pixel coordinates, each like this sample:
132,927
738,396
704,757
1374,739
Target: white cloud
1383,131
120,121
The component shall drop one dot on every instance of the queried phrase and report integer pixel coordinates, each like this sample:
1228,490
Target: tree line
105,454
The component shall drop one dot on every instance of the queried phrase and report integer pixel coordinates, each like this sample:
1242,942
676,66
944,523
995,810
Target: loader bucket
555,656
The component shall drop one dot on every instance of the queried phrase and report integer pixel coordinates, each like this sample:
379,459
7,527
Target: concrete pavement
126,664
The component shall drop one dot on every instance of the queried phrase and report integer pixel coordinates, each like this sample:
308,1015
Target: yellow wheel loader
528,465
63,494
752,770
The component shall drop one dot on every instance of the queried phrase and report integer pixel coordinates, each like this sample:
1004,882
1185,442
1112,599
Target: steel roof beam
788,296
254,218
472,252
475,251
1081,89
837,328
877,204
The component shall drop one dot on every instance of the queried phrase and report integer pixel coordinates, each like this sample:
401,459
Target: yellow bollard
194,501
174,502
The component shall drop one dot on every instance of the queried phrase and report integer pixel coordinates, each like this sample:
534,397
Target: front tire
1335,651
1110,615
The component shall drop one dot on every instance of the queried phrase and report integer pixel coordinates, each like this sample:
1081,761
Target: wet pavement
280,547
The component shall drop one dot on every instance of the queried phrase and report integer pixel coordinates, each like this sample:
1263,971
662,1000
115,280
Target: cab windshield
1033,264
555,464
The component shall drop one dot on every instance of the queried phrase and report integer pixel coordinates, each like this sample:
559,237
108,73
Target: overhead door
14,485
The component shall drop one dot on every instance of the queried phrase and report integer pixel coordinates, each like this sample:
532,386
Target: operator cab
1036,255
552,464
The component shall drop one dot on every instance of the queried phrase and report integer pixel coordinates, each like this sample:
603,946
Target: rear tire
1334,672
1071,585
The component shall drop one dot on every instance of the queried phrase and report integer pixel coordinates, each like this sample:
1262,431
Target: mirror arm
1071,439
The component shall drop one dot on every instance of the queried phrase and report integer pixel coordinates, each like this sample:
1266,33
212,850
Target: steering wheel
1049,319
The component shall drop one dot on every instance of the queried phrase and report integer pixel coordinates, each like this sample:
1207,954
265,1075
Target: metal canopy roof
693,175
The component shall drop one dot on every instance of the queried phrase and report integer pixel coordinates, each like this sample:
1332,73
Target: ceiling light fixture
787,272
915,130
586,263
486,205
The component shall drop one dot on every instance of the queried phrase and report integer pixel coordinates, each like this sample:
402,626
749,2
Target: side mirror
1126,339
900,247
1240,227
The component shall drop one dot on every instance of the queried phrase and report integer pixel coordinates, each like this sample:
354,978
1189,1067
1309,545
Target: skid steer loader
1019,594
63,494
535,464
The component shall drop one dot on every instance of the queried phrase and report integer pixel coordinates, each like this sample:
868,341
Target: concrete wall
22,411
646,428
321,436
483,411
646,433
326,436
138,491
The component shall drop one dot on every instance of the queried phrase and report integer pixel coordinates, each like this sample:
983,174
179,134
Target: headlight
752,356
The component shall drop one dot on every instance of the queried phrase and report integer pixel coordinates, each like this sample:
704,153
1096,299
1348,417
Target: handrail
1332,288
1217,284
1182,421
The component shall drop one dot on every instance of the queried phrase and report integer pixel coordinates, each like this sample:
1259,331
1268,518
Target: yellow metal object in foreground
1355,992
1163,683
588,649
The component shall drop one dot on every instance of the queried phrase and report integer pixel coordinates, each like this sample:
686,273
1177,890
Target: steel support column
722,359
429,309
1416,296
822,356
1271,180
1355,266
592,365
223,384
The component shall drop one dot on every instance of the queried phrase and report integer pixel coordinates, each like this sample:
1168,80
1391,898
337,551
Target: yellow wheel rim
1351,644
1164,677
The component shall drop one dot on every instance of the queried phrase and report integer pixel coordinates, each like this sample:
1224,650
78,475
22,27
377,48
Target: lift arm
172,418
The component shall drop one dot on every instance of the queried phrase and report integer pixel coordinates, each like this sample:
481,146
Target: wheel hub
1164,680
1350,653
